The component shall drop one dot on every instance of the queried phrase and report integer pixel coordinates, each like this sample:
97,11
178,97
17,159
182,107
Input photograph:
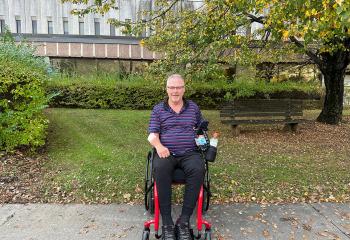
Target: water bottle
214,140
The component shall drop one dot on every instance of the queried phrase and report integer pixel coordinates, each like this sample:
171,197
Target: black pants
194,168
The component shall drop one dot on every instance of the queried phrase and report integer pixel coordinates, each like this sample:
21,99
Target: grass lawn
99,156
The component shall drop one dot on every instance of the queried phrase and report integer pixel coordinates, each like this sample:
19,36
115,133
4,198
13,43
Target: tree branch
254,18
313,56
266,38
163,12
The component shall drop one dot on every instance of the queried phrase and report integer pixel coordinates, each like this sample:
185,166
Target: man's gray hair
174,76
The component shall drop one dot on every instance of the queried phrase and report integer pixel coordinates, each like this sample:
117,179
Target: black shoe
168,232
182,231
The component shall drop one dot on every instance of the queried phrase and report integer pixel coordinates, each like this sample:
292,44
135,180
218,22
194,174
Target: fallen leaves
273,166
127,197
262,165
266,233
307,227
124,232
328,234
347,227
20,178
345,215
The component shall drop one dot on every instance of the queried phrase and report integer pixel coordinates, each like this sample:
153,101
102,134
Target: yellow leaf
127,196
285,34
339,1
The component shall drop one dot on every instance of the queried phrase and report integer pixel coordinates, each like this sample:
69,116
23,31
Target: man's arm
154,140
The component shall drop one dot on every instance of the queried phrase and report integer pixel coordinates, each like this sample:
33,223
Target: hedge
144,96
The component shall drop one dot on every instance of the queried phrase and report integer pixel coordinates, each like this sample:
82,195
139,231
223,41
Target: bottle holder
210,154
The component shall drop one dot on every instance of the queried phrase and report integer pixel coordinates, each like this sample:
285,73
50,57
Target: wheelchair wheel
192,233
151,202
145,234
149,195
207,235
206,191
206,199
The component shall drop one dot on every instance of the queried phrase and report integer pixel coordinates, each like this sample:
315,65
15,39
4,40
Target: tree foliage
201,40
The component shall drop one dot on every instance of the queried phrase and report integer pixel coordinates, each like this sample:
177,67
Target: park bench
262,111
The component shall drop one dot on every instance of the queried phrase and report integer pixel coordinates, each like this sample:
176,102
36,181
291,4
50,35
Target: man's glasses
177,88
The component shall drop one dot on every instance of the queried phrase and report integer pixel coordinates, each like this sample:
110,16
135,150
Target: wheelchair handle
202,127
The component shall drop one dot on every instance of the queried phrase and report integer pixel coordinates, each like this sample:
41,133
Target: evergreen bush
22,96
143,94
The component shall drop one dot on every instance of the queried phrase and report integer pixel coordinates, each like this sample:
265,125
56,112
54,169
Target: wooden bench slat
265,114
260,121
259,110
267,100
245,114
257,107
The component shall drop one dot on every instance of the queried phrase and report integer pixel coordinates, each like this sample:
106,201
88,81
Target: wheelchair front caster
207,235
145,234
192,234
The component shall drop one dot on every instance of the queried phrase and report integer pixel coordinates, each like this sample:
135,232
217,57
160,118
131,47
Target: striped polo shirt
176,130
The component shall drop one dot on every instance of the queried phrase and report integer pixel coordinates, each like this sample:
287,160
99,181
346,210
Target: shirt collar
167,107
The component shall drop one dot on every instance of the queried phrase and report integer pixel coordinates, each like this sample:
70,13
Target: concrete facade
43,13
54,17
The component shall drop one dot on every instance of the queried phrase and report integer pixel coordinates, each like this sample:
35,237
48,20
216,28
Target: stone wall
84,66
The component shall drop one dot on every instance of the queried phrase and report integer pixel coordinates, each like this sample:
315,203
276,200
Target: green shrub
22,97
143,94
118,96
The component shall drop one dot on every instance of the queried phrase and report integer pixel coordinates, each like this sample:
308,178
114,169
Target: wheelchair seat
179,176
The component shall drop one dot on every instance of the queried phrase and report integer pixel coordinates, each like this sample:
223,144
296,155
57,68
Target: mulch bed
20,177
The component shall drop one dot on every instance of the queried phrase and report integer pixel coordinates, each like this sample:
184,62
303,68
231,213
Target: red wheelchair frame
152,204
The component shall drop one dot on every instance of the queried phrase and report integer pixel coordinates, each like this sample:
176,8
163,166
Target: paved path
230,222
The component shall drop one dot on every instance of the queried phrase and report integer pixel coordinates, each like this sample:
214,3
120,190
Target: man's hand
162,151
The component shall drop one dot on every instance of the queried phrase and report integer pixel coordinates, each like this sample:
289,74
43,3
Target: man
172,134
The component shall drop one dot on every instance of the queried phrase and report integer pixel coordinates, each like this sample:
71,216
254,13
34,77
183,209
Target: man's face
175,89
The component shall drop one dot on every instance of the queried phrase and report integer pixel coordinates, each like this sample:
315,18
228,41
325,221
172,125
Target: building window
34,26
2,25
112,30
144,29
18,26
65,27
49,27
127,21
81,28
97,27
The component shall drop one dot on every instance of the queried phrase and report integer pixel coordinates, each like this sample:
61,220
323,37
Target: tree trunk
333,69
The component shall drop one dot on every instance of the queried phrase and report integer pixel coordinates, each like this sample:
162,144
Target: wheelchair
208,154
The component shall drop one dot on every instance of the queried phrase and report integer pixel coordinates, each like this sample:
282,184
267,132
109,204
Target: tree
200,39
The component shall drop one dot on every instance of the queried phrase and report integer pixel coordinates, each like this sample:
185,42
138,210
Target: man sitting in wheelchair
172,133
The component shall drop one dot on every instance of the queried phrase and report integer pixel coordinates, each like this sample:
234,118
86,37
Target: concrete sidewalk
237,221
